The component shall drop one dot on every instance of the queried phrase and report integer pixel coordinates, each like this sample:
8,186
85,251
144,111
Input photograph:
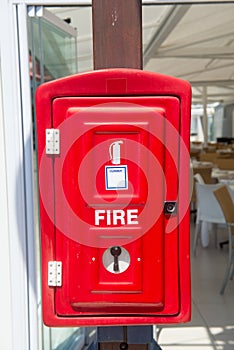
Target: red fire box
113,150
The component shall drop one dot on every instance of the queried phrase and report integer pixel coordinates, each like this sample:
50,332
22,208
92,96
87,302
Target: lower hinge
55,273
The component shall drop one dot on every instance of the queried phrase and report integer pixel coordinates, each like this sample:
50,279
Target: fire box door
113,157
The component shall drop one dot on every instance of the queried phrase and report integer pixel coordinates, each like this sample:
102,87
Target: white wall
5,290
18,329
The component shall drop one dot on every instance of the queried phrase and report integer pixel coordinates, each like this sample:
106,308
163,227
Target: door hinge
55,273
52,141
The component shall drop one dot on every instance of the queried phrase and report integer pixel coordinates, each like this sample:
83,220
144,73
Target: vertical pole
117,43
125,338
117,34
205,117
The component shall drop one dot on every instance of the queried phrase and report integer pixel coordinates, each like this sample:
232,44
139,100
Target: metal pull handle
116,251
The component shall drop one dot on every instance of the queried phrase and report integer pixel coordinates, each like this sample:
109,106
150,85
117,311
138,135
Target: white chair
194,179
198,178
208,210
227,206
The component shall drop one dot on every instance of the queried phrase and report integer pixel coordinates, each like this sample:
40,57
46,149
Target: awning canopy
190,41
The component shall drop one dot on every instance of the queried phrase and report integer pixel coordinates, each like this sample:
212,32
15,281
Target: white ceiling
192,42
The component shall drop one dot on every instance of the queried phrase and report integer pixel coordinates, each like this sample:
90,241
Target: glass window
52,55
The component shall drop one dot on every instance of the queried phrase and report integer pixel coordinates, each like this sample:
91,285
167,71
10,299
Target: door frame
16,153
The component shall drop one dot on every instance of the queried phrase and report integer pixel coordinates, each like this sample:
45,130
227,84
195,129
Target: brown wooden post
117,43
117,34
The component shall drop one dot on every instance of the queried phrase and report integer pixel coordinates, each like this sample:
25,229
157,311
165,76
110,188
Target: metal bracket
125,338
52,141
54,273
35,11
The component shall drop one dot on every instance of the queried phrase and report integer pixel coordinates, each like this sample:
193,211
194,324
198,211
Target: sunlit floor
212,325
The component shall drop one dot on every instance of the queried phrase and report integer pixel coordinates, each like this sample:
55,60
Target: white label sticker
116,177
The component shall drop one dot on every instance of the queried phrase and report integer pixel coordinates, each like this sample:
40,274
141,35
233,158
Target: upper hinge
52,141
55,273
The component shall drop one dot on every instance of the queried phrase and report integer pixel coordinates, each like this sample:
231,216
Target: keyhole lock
116,251
170,208
116,259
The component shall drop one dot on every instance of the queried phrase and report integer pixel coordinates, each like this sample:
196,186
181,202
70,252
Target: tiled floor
212,325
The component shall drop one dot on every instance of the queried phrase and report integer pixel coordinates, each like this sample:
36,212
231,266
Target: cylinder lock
170,208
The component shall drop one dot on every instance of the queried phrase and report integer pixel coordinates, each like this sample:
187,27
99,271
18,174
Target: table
225,177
